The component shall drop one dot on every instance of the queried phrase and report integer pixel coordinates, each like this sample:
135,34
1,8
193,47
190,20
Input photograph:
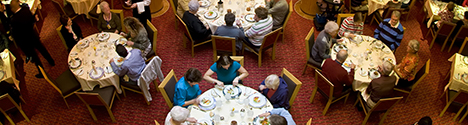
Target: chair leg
433,40
123,91
313,95
367,118
24,115
305,67
91,20
21,97
445,43
156,85
111,115
462,118
383,118
176,23
453,41
346,98
445,109
407,15
408,96
358,98
118,97
8,117
91,112
459,112
260,58
326,107
193,52
147,102
66,103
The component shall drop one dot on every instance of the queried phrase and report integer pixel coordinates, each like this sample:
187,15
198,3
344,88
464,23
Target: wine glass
227,96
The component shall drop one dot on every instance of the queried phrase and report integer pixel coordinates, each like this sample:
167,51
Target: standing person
276,90
138,36
108,21
258,31
352,26
197,29
390,31
141,10
182,6
227,71
278,10
231,31
4,20
187,89
71,32
22,31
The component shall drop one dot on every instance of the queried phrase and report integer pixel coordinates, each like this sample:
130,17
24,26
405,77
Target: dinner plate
2,74
103,36
204,121
234,91
347,65
118,60
250,17
211,15
79,71
74,63
378,44
465,59
465,77
108,69
389,59
258,121
206,101
363,72
96,74
83,43
373,74
257,100
204,3
259,5
338,47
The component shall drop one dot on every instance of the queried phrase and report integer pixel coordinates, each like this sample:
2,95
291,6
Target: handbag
321,18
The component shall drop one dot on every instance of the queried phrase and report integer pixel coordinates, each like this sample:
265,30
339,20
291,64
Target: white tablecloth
375,5
356,55
9,68
88,54
458,68
227,107
33,4
237,6
83,6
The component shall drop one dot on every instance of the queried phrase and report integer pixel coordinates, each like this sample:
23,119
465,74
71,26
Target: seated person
227,71
7,88
230,30
182,6
132,65
71,32
138,37
390,31
108,21
197,29
405,3
336,74
278,10
381,87
460,23
279,116
263,26
446,15
321,49
178,115
276,90
352,26
424,121
407,68
187,89
359,5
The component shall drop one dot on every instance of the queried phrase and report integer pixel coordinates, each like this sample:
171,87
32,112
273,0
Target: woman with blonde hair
108,21
138,37
276,90
407,68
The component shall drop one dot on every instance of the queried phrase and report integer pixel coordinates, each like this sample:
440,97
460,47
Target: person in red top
336,74
447,14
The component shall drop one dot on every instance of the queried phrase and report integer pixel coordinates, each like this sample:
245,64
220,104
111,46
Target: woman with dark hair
138,37
227,71
187,89
71,32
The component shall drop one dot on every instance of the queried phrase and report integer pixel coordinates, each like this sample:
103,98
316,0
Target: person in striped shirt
263,26
352,26
390,31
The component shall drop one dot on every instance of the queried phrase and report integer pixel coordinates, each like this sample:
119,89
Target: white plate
363,72
103,36
234,91
338,47
259,5
74,63
119,60
464,77
260,100
257,120
108,69
378,44
96,74
212,15
373,75
204,121
391,60
204,3
79,71
250,17
465,59
206,101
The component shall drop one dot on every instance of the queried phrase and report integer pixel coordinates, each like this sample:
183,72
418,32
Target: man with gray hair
197,30
381,87
390,31
321,49
333,70
178,115
231,31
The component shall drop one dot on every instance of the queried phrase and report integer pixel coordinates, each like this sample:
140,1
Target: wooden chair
66,84
7,103
174,4
93,14
61,36
225,44
150,74
121,15
386,14
309,43
167,88
269,41
461,34
341,17
325,88
188,38
294,85
464,50
291,9
382,105
459,98
99,97
239,59
66,10
408,9
153,37
446,29
309,122
156,122
418,78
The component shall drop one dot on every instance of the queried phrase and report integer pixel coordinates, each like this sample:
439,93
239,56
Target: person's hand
196,101
262,87
128,3
352,66
238,23
133,5
219,83
11,38
339,40
264,114
116,31
351,35
130,43
111,60
123,34
235,81
191,120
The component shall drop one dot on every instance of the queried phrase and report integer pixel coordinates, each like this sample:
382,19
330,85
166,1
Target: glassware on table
219,104
217,118
250,113
227,96
246,102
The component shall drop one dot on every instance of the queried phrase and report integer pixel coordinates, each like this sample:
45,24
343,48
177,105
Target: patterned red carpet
45,106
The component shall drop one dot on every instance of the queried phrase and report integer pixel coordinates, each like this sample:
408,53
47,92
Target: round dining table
367,53
239,108
94,53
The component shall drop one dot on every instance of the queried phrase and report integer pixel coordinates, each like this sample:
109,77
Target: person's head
133,26
466,15
105,7
121,50
413,46
450,6
193,6
357,18
261,13
224,61
193,76
14,5
342,55
386,68
277,120
65,20
331,28
2,7
395,18
272,81
425,121
229,18
179,114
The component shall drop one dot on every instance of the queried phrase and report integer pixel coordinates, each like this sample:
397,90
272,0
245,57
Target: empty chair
152,35
459,98
66,10
167,88
464,50
99,97
445,29
66,84
309,43
326,88
7,103
294,85
224,44
383,105
291,9
461,34
269,41
418,78
188,38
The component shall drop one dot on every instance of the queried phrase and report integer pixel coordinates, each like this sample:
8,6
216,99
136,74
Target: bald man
336,74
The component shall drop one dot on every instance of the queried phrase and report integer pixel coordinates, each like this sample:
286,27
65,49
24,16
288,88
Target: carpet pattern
45,106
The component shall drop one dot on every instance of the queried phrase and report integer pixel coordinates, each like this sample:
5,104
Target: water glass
227,96
246,102
219,104
250,113
217,118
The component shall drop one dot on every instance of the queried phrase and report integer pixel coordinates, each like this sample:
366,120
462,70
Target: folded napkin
141,7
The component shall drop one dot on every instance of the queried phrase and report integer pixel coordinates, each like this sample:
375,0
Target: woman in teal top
226,70
187,89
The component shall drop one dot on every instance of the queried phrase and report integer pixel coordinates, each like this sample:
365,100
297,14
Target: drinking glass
217,118
246,102
250,113
219,104
227,96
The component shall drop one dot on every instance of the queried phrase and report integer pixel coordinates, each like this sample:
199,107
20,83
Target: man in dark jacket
336,74
276,90
381,87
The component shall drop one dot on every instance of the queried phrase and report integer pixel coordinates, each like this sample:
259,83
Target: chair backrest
120,13
413,2
388,12
152,34
341,17
460,97
385,104
167,88
222,43
464,50
186,31
347,5
7,102
422,73
61,36
91,99
309,42
294,85
323,84
174,4
446,28
239,59
156,122
462,32
58,7
270,39
286,19
49,80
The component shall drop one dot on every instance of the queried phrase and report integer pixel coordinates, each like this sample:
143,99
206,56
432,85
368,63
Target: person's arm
208,78
141,41
322,48
99,22
350,79
269,4
344,28
283,112
120,71
199,28
77,30
117,22
273,9
179,98
377,31
243,73
399,37
369,88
